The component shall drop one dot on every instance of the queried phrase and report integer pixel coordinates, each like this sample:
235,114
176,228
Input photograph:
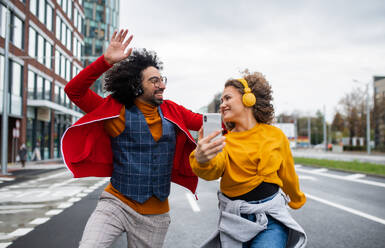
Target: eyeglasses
156,81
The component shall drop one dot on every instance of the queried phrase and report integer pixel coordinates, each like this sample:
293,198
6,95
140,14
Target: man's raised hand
115,51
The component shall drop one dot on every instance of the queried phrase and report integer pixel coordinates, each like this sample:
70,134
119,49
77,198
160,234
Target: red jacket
86,147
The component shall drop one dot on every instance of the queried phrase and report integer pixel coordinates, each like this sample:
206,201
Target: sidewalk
376,158
32,170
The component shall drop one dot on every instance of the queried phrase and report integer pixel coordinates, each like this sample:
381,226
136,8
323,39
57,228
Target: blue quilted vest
142,167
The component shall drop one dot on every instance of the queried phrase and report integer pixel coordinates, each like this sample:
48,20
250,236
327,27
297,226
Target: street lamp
367,115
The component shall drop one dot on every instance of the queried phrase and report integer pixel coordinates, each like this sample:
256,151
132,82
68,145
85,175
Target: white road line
5,245
7,179
303,177
54,212
74,199
52,176
320,170
20,232
347,209
356,176
342,177
61,183
81,195
65,205
193,203
39,221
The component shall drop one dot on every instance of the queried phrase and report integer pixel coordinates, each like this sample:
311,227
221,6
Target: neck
244,123
142,101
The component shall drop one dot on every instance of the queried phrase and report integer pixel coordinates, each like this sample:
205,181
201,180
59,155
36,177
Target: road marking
54,212
356,176
347,209
65,205
4,245
74,199
320,170
343,178
39,221
62,183
193,203
307,177
20,232
7,179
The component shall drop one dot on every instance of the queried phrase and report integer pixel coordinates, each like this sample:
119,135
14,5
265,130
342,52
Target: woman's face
231,106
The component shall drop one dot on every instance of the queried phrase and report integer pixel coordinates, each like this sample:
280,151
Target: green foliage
352,166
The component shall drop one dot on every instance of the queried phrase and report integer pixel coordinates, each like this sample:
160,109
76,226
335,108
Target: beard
156,101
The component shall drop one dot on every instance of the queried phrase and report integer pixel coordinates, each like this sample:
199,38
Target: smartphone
212,122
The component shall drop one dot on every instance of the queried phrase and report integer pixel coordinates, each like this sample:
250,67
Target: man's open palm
115,51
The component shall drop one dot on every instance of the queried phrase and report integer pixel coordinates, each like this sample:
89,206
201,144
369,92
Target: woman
256,170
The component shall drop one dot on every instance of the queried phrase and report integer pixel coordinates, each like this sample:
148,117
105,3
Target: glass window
69,38
1,73
40,48
48,54
79,50
58,25
42,11
32,6
80,24
31,85
62,66
64,5
57,62
16,79
76,17
68,70
49,17
63,33
17,35
39,87
57,94
2,20
47,89
70,9
32,42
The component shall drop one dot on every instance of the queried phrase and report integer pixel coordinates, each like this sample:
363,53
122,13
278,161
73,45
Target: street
342,210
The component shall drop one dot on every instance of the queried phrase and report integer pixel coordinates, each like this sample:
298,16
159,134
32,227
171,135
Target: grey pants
112,217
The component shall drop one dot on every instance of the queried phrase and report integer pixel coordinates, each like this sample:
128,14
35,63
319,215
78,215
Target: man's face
153,86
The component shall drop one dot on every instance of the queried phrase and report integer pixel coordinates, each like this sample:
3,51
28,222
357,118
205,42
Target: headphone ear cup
248,99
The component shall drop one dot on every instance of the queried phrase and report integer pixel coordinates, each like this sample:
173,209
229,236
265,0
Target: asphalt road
342,210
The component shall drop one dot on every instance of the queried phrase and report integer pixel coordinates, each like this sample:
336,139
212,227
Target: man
134,136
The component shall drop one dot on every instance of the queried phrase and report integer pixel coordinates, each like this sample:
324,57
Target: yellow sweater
261,154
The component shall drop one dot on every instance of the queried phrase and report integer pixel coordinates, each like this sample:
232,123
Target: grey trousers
112,217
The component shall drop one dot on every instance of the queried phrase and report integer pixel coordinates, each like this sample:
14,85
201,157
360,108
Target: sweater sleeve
78,88
211,170
289,177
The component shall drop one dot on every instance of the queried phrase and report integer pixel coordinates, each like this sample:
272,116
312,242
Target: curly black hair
263,109
124,79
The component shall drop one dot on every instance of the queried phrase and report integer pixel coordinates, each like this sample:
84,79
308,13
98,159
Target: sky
309,51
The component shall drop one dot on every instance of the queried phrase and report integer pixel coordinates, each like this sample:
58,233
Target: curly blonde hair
263,109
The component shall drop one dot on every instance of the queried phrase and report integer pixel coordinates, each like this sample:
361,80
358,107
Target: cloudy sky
309,51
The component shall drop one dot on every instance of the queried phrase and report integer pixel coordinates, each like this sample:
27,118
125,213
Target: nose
222,105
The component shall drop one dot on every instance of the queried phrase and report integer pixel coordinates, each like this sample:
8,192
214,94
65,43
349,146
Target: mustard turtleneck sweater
116,126
260,154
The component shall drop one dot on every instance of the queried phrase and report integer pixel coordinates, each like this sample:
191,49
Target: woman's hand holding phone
208,149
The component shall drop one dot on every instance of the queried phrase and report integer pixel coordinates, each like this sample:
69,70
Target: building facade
101,19
379,111
45,52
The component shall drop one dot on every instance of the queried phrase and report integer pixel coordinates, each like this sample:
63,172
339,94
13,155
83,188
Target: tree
353,111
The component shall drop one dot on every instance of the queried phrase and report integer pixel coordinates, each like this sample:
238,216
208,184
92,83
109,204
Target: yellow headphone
248,97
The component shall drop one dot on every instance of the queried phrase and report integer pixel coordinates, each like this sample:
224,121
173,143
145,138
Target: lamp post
4,129
368,148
